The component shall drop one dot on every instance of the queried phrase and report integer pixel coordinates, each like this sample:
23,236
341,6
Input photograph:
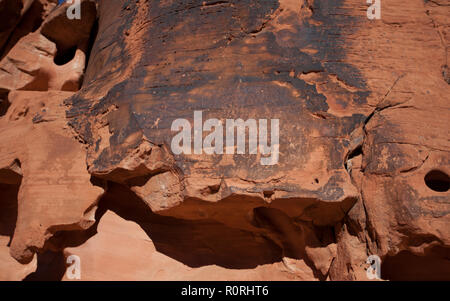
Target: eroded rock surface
87,168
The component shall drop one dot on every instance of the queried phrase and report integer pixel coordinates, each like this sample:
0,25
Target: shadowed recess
8,209
64,56
4,102
30,22
9,189
202,242
194,242
406,266
438,181
51,266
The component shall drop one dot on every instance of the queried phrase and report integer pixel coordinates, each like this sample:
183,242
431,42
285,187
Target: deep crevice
92,38
354,153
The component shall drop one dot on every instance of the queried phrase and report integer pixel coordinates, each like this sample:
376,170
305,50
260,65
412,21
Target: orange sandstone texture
87,169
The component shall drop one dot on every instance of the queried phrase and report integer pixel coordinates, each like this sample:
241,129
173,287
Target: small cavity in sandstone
64,56
438,181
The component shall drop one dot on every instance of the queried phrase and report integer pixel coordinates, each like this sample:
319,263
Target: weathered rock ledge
87,169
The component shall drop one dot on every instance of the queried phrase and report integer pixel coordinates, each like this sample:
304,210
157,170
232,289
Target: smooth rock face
361,168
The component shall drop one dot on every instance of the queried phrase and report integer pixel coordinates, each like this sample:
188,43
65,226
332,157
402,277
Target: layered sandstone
87,168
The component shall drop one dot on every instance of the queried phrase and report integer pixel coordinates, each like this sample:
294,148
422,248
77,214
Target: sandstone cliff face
87,168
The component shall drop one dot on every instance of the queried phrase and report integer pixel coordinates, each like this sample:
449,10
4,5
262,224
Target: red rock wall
87,169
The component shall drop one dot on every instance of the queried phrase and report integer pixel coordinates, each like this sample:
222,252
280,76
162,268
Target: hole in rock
437,180
212,189
268,194
406,266
64,56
